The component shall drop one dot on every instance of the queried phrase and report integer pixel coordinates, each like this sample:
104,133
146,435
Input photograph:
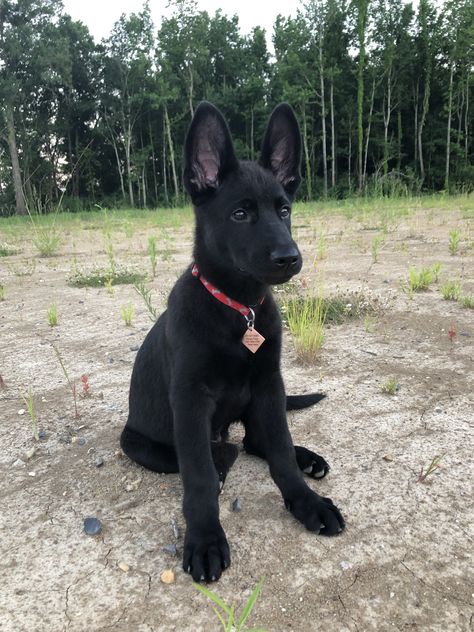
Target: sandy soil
405,560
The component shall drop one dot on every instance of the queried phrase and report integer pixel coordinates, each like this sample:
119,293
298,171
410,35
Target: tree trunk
349,157
165,176
399,140
323,117
361,26
308,180
170,146
386,120
448,132
20,203
466,121
153,161
369,125
333,137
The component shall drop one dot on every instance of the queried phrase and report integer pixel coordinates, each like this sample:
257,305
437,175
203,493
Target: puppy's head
243,209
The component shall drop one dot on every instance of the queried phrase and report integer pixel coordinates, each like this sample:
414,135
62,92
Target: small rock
465,333
18,462
32,474
123,567
387,457
81,441
174,528
134,348
171,549
22,411
438,409
92,526
345,565
29,454
236,506
168,577
42,434
99,462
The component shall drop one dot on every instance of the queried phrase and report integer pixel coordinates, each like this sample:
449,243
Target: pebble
168,577
22,411
387,457
171,549
123,567
42,434
236,506
465,333
174,528
18,462
92,526
81,441
99,462
32,474
345,565
438,410
134,348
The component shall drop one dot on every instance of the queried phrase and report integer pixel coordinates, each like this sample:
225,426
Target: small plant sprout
46,240
368,324
391,386
432,467
468,301
153,254
85,386
30,407
145,293
377,241
52,315
226,614
453,244
127,313
322,250
451,291
71,383
2,292
451,334
420,280
305,318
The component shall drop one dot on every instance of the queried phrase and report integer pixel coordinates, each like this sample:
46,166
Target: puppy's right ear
209,153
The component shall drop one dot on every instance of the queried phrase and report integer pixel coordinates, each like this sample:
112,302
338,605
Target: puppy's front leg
267,431
206,552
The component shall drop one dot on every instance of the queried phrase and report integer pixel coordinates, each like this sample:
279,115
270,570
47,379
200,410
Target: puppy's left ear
281,148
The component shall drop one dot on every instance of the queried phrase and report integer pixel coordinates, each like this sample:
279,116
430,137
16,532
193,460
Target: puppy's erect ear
281,148
209,154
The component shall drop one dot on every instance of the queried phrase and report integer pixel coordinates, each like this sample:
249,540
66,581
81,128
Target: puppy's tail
295,402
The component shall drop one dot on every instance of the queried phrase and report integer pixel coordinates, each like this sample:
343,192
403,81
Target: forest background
383,91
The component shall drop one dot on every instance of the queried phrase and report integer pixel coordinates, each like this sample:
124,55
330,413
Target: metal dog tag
252,339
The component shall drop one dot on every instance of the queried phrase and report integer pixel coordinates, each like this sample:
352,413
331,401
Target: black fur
193,376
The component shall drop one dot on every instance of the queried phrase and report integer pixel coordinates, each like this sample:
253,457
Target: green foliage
127,314
52,315
390,386
145,293
226,615
6,250
420,280
454,239
451,291
152,253
305,318
46,240
103,278
2,292
377,241
468,301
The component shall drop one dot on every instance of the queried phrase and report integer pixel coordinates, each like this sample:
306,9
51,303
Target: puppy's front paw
206,554
317,513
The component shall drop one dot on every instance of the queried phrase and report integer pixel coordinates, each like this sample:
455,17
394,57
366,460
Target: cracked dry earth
405,560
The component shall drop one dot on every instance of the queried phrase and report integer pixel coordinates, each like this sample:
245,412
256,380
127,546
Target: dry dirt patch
405,561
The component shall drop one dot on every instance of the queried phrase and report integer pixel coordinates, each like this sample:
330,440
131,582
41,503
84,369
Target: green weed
145,293
451,291
153,254
2,292
6,250
305,318
420,280
468,301
127,313
432,467
390,387
103,278
377,241
71,382
322,249
454,240
226,614
52,315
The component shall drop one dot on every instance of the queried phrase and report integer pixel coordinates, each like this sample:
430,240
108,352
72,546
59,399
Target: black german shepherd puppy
198,369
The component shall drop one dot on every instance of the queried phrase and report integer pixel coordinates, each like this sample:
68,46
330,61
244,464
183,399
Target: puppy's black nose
286,257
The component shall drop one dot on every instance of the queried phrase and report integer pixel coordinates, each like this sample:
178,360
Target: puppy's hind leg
223,455
153,455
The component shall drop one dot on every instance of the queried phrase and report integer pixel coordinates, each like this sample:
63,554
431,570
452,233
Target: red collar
216,293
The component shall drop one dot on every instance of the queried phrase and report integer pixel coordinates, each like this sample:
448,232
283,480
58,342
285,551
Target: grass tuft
52,315
420,280
127,314
451,291
305,318
391,386
104,277
6,250
454,240
30,407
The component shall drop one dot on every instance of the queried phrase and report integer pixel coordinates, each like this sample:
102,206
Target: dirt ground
405,561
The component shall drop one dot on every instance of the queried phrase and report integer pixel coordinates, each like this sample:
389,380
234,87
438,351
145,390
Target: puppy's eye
239,215
285,212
